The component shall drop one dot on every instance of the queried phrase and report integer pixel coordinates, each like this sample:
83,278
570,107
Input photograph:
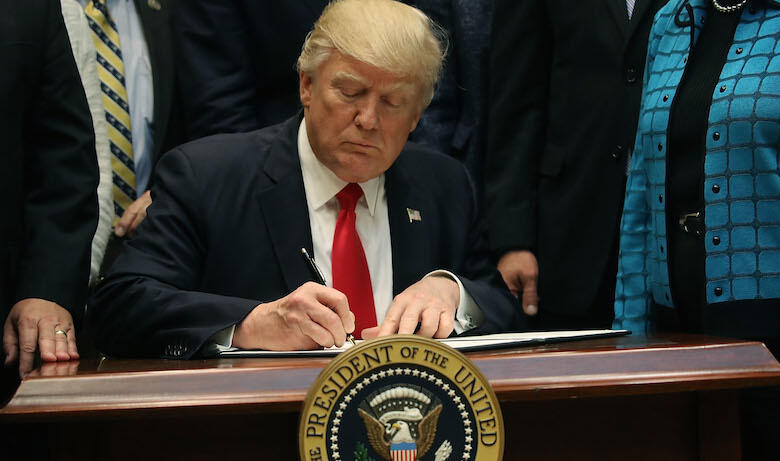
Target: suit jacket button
631,75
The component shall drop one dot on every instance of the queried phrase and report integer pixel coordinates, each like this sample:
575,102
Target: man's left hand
133,216
431,303
33,324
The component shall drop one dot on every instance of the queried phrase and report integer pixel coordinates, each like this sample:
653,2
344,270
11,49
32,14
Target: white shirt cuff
221,340
468,315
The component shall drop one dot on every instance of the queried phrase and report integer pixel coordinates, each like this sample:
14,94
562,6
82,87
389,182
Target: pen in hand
315,272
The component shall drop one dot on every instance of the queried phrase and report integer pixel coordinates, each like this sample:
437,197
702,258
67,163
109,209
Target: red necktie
348,261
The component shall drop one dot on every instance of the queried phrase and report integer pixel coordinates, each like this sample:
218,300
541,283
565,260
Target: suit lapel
284,207
155,24
640,10
619,12
409,237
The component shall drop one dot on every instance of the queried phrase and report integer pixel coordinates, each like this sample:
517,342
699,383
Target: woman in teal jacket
700,232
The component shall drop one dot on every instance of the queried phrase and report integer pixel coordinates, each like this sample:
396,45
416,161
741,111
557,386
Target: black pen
315,272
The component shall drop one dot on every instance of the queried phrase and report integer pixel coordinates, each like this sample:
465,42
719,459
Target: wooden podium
634,397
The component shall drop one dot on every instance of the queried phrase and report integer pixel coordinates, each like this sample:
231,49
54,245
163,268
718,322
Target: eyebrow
342,76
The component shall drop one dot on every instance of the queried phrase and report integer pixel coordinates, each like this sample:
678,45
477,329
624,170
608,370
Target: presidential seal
401,398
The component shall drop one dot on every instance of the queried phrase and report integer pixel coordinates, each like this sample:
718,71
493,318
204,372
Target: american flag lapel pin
414,215
154,4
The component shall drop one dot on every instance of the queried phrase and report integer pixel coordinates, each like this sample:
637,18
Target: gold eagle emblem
400,424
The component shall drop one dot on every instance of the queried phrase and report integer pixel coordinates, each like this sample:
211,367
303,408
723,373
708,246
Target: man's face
358,116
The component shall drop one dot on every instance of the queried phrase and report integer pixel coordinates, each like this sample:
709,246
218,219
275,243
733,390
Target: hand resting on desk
431,303
38,325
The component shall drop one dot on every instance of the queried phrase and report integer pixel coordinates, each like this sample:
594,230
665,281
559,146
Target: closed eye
392,102
349,92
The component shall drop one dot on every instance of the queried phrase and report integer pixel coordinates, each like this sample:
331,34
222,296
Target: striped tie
111,71
630,6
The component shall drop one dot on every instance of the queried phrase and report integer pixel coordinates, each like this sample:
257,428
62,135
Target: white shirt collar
321,184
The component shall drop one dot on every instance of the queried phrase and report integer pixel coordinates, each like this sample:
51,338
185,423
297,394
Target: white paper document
461,343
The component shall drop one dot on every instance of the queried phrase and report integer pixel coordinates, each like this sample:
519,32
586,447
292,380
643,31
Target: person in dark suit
48,180
237,62
565,90
218,260
143,33
455,121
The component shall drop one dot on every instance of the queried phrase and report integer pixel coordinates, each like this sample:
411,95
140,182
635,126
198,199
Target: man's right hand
133,215
42,326
521,272
310,317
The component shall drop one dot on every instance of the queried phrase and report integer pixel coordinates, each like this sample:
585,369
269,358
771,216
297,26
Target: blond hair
383,33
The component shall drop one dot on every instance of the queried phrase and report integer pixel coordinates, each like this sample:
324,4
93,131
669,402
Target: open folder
461,343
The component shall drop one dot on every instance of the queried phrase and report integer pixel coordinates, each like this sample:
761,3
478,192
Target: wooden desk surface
625,366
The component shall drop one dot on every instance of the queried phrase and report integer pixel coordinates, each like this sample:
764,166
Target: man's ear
305,82
416,120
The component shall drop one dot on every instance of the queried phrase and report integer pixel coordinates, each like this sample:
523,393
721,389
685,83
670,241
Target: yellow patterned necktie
111,71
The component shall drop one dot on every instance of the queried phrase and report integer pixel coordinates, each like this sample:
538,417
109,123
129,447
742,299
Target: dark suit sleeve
452,122
519,81
60,176
148,304
216,75
481,279
437,123
471,40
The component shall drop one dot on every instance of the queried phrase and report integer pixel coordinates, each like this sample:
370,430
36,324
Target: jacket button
660,147
723,88
715,188
718,291
618,152
716,136
661,198
716,240
666,97
739,50
631,75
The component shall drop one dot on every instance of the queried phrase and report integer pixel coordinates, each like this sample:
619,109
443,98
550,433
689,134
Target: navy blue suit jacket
225,231
236,62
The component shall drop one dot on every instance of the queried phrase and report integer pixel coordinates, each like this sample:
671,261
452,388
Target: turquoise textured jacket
741,175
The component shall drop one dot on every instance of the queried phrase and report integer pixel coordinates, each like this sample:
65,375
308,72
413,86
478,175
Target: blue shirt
139,85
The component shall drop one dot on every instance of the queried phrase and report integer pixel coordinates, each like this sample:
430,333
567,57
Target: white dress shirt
373,228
